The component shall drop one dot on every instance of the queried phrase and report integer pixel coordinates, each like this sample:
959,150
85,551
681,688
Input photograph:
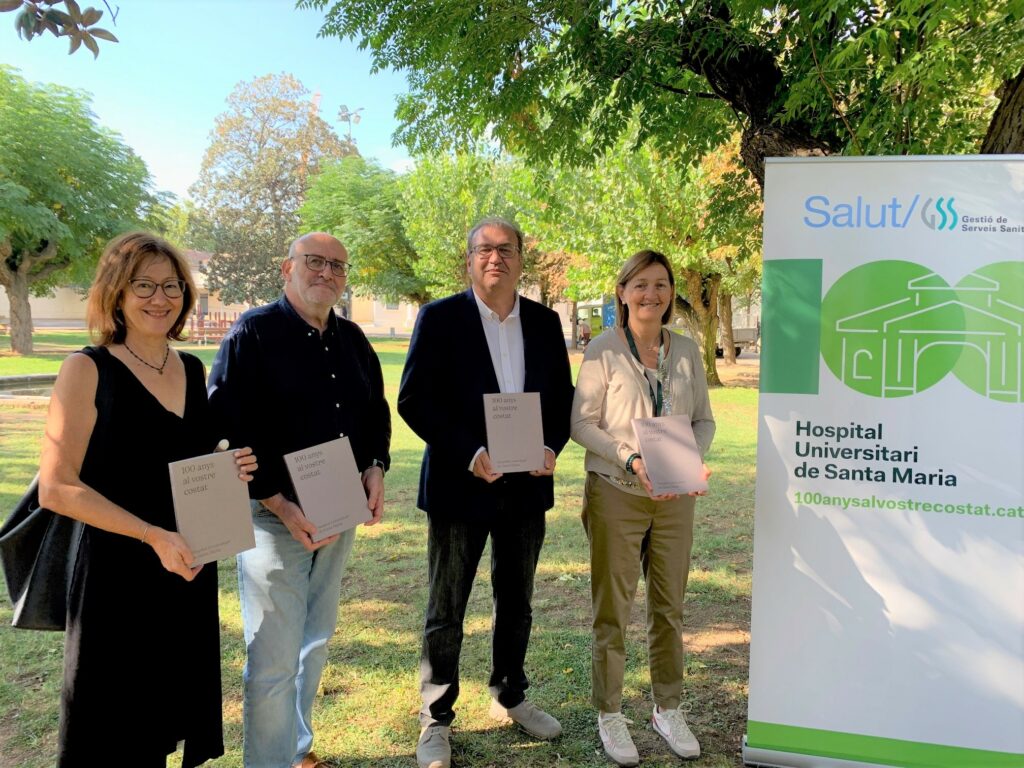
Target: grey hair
495,221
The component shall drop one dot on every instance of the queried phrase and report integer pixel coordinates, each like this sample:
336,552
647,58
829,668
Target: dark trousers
454,548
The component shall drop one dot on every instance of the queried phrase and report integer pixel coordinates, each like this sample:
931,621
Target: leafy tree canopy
441,199
263,152
67,186
704,217
559,78
357,200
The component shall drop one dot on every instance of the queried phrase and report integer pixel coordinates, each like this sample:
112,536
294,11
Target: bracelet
145,530
629,462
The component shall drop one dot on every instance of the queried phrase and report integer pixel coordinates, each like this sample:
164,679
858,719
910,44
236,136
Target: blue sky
164,83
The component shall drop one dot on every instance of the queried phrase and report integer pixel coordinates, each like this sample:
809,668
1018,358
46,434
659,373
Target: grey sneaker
530,718
672,726
618,744
434,750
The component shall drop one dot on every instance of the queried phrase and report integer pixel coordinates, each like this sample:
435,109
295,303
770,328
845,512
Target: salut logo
936,213
946,211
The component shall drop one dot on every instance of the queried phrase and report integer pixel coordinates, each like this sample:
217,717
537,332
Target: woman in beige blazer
639,369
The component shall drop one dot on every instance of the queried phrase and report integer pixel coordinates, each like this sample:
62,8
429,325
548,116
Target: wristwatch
378,463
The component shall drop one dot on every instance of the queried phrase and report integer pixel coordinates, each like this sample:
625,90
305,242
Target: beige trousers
629,534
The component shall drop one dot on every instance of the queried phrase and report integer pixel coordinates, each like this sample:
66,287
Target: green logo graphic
895,328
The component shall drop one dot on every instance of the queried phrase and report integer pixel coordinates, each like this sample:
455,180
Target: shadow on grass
367,715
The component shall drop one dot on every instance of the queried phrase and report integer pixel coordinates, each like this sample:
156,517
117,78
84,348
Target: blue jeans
289,600
454,548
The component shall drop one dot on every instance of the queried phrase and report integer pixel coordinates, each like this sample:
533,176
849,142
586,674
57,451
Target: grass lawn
366,715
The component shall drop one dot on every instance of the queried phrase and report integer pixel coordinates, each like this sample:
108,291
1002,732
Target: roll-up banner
888,598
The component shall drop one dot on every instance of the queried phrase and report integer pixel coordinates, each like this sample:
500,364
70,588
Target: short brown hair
120,259
635,264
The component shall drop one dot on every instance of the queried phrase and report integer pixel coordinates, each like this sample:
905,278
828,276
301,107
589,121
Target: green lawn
367,714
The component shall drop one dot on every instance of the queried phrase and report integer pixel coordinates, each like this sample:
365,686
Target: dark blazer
447,373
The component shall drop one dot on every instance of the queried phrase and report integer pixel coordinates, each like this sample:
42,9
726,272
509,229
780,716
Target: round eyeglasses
144,288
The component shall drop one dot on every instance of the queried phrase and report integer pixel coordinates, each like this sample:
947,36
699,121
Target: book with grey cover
211,506
670,454
330,490
515,433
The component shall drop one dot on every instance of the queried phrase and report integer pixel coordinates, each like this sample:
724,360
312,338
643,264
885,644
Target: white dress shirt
505,343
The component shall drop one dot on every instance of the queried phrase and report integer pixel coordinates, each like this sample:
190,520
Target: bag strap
104,389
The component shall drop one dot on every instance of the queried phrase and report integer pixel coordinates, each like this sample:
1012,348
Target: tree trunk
1006,130
725,321
21,312
760,142
702,293
574,325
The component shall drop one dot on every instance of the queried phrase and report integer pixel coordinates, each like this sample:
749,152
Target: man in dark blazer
486,340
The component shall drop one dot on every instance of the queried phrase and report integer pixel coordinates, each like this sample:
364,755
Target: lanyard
656,400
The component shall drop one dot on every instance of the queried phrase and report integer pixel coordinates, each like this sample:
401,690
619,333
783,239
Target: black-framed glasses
145,288
317,264
485,251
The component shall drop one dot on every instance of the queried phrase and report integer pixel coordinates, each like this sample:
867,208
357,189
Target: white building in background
382,317
65,308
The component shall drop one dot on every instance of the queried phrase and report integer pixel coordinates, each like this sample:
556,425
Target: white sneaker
618,744
672,726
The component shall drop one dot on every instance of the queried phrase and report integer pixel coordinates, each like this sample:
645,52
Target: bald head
314,240
311,291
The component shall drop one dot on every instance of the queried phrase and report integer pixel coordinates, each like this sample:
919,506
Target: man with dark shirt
291,375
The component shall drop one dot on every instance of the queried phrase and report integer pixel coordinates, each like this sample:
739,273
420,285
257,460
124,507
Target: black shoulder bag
38,548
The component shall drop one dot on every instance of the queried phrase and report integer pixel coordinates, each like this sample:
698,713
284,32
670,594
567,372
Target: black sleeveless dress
142,649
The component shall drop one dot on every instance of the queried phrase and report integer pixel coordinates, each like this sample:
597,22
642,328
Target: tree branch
46,270
113,13
832,98
685,92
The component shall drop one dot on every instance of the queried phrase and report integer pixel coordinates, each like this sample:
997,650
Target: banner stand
769,758
887,619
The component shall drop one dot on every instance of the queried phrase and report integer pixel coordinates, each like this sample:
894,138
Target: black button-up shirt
280,385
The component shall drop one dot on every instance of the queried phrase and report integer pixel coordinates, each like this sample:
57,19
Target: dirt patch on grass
745,373
11,756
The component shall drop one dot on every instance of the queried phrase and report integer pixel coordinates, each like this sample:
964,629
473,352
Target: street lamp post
351,117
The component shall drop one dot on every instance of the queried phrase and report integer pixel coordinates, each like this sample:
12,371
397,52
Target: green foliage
440,202
66,187
263,152
356,200
563,79
902,78
705,218
372,659
184,225
37,17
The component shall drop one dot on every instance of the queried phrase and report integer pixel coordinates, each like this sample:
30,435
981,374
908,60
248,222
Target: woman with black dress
142,650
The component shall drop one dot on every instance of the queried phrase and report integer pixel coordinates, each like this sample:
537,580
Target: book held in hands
515,433
329,488
670,454
211,506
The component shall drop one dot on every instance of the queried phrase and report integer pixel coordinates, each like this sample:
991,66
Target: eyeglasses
144,289
317,263
485,251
